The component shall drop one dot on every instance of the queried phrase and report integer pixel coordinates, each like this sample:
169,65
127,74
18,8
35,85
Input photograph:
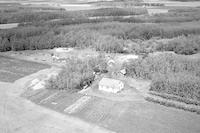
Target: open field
13,69
125,117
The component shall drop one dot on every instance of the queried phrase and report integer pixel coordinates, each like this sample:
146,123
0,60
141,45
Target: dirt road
18,115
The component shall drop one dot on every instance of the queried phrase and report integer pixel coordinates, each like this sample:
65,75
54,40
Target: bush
29,15
182,45
185,85
174,98
114,12
109,44
89,38
107,37
170,73
98,64
139,31
23,32
72,76
19,14
77,73
5,45
174,104
47,41
147,32
81,38
163,64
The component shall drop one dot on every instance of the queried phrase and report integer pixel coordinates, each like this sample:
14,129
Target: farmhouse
111,85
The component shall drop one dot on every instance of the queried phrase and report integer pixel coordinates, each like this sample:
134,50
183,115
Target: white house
111,85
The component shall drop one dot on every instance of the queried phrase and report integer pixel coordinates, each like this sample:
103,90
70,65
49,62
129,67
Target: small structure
111,63
37,84
111,85
123,71
126,58
62,50
54,57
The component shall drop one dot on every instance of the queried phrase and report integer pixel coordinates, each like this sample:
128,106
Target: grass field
13,69
119,116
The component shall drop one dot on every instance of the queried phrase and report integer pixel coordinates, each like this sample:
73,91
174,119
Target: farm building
111,85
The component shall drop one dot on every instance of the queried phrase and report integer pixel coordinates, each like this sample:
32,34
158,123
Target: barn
111,85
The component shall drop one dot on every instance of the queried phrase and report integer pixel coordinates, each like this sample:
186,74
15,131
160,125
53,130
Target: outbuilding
111,85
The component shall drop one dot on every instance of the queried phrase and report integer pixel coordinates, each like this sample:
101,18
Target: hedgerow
182,84
182,45
114,12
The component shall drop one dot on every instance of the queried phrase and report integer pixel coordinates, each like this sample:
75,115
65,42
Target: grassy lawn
13,69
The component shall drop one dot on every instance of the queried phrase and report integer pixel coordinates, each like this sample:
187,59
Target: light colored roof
110,82
62,50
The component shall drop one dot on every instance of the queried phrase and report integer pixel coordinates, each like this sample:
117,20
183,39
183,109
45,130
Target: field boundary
175,98
173,101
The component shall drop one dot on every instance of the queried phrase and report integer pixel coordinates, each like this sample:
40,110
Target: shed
111,85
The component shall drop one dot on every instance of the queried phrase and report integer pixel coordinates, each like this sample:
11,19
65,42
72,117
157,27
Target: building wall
110,89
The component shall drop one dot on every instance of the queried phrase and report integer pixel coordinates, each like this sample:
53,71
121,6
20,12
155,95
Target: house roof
110,82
